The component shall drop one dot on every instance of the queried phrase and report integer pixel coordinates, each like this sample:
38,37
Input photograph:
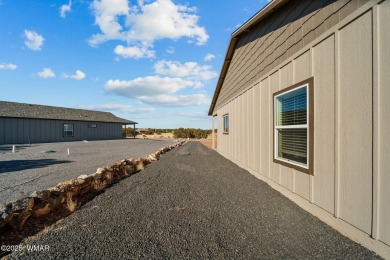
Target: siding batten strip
260,129
375,117
311,177
247,127
254,124
273,125
337,118
294,64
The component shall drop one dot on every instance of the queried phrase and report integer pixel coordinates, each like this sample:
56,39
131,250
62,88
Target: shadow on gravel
19,165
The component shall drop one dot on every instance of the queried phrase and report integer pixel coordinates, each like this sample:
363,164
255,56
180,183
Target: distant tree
191,133
149,132
199,133
130,132
134,132
178,133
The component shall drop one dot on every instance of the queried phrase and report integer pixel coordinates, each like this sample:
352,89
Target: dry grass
164,136
71,204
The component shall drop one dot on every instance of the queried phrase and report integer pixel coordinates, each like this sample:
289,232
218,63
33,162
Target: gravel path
192,204
29,169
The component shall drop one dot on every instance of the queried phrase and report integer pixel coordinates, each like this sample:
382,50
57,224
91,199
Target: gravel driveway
29,169
192,204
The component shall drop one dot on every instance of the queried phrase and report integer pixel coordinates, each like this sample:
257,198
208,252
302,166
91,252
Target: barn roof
271,7
22,110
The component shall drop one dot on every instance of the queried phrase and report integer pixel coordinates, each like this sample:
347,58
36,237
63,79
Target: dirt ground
206,142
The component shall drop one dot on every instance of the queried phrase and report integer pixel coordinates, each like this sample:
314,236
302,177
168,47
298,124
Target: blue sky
152,61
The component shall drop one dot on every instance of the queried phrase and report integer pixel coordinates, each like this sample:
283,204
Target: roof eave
265,11
127,122
224,69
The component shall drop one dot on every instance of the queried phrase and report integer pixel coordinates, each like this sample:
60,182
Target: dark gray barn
23,123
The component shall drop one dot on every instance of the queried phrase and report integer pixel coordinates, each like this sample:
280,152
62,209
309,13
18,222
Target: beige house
303,103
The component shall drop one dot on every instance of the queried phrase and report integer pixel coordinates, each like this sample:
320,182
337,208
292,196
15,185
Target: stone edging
39,203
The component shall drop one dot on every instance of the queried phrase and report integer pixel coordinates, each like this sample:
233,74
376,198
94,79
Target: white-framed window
68,130
293,126
226,123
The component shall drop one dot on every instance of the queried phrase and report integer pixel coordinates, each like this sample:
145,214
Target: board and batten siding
350,65
23,130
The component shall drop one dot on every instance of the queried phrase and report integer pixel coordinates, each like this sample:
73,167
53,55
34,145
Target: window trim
309,168
225,128
63,130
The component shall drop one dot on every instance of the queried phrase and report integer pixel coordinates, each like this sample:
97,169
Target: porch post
134,131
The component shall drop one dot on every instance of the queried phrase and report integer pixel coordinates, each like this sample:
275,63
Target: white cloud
33,40
126,109
209,57
163,19
106,14
158,91
8,66
176,100
145,23
189,70
79,75
65,9
133,52
147,86
162,89
46,73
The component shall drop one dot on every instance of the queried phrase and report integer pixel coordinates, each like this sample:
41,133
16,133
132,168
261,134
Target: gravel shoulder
28,169
192,204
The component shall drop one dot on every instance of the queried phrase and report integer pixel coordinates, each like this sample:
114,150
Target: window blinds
291,125
293,144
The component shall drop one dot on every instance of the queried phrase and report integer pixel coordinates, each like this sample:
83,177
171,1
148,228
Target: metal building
23,123
302,102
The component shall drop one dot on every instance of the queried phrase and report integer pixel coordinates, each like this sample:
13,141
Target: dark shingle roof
21,110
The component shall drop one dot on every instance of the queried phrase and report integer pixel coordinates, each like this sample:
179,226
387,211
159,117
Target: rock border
15,214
